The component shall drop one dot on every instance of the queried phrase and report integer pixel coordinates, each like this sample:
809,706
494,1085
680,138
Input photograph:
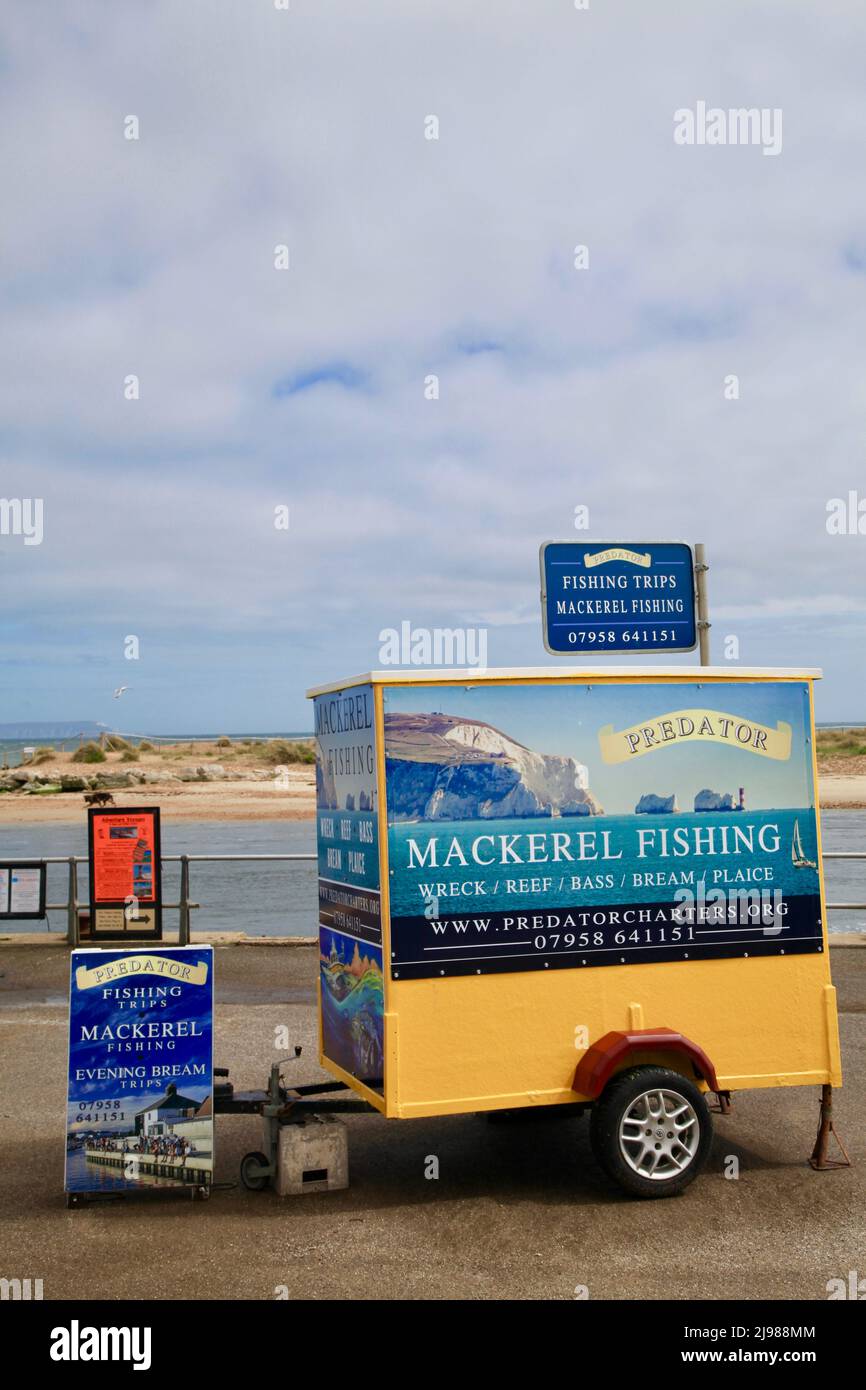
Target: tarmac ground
519,1210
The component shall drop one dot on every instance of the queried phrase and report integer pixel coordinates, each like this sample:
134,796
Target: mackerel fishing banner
350,921
139,1108
548,826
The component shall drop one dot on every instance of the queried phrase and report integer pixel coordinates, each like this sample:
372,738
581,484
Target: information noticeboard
618,596
22,888
125,871
564,826
139,1109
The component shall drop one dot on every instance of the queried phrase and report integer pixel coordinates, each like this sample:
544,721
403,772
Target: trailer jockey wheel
651,1131
251,1177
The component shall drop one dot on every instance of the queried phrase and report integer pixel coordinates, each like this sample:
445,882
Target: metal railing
185,906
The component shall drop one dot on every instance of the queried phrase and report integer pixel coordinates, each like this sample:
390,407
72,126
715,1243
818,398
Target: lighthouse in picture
741,800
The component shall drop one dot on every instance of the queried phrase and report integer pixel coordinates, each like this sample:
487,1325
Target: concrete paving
519,1210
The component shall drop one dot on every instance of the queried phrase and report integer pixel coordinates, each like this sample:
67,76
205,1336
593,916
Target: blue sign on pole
618,596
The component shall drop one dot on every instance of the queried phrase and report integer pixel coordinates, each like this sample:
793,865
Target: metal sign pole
701,568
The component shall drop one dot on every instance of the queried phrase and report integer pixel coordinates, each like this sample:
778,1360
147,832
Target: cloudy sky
305,387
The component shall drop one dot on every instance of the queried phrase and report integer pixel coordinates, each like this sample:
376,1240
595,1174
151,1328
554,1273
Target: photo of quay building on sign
178,1117
169,1140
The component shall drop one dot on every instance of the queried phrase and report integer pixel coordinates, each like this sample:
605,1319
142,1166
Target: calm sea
274,899
265,899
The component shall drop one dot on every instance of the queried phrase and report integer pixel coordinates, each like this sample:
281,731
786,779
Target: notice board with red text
125,871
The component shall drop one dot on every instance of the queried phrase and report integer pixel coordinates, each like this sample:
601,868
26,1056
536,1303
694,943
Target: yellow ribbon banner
604,557
180,971
695,725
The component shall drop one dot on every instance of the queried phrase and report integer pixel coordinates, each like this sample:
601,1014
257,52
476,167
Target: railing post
72,904
183,927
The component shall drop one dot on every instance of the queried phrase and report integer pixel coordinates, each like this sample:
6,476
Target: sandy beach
842,793
192,801
241,781
202,782
294,798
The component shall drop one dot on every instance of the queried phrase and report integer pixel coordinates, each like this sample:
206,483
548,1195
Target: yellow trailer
594,887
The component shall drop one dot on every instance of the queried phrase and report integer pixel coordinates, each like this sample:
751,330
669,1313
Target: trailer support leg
819,1160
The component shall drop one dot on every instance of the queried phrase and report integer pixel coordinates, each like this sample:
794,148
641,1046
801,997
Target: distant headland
53,728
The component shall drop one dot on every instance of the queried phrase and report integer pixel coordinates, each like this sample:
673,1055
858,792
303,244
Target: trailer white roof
474,675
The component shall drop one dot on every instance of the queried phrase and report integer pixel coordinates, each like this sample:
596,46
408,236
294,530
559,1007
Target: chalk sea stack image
446,767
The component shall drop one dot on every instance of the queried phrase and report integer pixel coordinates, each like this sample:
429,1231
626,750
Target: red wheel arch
611,1052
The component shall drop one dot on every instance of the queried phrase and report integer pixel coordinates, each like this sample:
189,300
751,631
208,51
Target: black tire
681,1139
253,1181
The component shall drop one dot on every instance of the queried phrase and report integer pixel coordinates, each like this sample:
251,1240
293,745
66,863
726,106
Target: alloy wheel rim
659,1134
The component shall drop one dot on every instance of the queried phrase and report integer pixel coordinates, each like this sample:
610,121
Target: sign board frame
7,869
108,912
622,648
595,884
138,1126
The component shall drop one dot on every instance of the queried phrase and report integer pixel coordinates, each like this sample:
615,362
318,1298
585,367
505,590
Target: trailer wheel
250,1178
651,1131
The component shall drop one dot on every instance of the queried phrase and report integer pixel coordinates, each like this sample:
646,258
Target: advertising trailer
597,888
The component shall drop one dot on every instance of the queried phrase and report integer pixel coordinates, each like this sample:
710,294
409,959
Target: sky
261,387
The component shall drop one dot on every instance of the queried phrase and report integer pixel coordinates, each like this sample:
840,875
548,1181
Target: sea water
280,899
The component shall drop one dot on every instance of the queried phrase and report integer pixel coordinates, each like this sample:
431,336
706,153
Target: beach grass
88,753
840,743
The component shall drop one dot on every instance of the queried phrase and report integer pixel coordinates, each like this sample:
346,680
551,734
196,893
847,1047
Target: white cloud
259,127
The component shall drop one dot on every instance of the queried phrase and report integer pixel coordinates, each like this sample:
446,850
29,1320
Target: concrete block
312,1156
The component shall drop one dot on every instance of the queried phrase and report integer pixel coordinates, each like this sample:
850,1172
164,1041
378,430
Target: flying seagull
120,690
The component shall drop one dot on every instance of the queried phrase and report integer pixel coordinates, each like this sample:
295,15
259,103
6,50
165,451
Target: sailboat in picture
798,858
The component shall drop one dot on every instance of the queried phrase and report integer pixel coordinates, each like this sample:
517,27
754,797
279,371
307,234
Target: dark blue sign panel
140,1095
618,596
